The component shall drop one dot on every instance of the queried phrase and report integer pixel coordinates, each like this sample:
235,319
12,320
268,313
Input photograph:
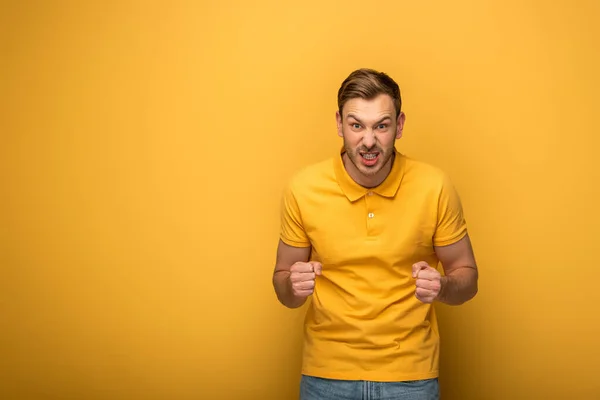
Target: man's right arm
294,275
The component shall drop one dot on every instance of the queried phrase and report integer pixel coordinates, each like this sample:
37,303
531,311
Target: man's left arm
459,283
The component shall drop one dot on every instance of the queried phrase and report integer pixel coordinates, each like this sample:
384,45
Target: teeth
369,156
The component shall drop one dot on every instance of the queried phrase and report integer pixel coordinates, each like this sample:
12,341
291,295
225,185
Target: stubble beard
369,172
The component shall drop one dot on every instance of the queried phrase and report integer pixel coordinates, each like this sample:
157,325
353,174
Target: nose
369,138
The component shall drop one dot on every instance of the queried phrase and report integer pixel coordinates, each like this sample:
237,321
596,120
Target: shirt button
371,215
369,193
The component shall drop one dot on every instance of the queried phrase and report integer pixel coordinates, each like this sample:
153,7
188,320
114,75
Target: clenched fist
428,282
302,277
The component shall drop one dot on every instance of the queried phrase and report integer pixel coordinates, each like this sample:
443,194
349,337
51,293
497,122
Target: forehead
378,107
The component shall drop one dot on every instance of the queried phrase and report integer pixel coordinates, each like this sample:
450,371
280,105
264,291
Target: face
370,129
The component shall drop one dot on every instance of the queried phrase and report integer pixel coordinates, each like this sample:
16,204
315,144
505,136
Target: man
362,234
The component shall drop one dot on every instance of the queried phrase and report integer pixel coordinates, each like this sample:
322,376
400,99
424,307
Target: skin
372,126
369,126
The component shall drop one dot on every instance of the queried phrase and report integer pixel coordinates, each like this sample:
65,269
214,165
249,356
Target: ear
338,119
400,125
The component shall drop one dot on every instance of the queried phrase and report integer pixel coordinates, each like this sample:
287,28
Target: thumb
418,267
318,268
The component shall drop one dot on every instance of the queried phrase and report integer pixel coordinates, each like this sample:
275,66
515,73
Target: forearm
459,286
283,289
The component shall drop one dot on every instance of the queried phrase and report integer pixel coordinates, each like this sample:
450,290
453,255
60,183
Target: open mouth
369,158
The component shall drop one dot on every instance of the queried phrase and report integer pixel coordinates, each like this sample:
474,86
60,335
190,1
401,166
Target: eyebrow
350,115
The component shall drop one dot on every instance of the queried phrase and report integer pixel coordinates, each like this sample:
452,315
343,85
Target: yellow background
144,147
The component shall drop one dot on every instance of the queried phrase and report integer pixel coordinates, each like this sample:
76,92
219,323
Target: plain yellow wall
144,147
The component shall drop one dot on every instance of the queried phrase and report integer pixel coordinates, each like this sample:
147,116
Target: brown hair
367,84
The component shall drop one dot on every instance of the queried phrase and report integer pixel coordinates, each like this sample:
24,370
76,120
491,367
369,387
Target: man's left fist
428,282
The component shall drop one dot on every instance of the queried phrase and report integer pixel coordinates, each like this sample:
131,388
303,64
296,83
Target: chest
373,230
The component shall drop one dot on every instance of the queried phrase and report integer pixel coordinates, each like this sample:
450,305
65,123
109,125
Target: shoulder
312,176
425,174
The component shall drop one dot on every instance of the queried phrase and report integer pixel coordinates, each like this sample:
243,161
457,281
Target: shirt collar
354,191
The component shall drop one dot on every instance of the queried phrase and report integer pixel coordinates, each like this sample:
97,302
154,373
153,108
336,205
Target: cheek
351,138
386,140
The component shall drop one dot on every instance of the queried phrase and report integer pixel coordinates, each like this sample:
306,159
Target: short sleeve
451,224
292,229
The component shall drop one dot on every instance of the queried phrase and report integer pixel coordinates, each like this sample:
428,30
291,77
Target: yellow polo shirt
363,321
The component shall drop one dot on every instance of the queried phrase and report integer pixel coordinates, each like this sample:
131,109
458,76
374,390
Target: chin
370,171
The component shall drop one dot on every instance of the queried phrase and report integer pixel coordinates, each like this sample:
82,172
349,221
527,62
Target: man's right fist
302,277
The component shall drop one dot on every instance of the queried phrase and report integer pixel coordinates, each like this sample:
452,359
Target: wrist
288,298
444,281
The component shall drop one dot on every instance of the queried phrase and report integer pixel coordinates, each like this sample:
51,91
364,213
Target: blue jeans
313,388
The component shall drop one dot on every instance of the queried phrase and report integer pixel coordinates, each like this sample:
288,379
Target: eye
382,126
356,126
